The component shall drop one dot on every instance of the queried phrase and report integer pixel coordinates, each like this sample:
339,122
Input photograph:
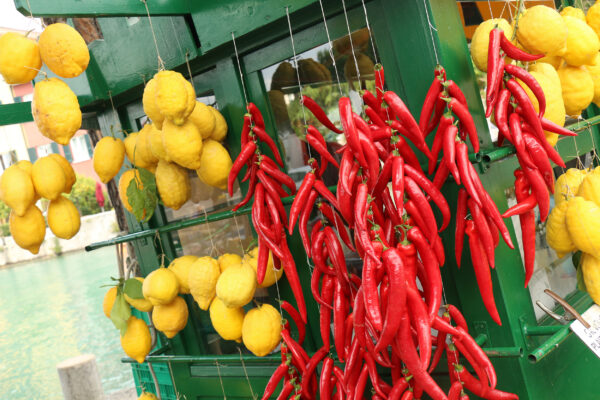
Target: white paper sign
591,336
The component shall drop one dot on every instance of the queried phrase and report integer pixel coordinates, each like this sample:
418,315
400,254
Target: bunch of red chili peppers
520,124
384,317
266,184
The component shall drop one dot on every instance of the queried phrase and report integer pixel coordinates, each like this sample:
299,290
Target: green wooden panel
99,8
16,113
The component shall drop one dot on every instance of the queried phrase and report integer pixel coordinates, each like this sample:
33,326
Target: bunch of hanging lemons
574,223
23,184
569,72
55,107
184,134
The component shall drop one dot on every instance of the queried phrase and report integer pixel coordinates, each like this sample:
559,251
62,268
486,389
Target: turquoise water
51,310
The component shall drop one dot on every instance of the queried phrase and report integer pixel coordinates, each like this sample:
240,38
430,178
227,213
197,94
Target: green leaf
580,282
133,288
142,199
120,313
148,179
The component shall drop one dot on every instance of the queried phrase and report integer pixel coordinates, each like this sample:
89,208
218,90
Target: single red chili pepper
413,211
279,176
483,229
478,355
463,163
400,385
303,221
493,230
466,121
420,321
479,370
431,269
397,175
528,112
430,99
274,381
371,294
300,199
437,197
319,113
406,119
313,137
531,82
440,346
527,220
325,312
396,306
289,267
297,352
552,127
527,204
475,386
262,261
256,115
540,159
287,390
459,232
408,353
249,164
271,188
372,368
384,293
441,175
519,141
482,272
245,135
374,117
440,106
325,192
414,193
345,107
325,387
339,313
407,153
455,91
247,152
379,81
551,151
361,383
412,135
436,147
441,325
264,136
538,188
336,255
455,391
370,152
514,52
360,214
501,114
448,138
452,357
297,320
391,211
311,367
457,317
493,75
370,100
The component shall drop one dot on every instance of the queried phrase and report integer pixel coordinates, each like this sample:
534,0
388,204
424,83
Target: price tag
591,336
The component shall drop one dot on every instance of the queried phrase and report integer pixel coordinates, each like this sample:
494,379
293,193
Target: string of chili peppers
520,124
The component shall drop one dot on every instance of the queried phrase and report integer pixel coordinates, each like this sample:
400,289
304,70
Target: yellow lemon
253,252
577,88
147,396
124,181
204,119
548,70
590,187
160,286
594,70
215,164
220,132
261,330
63,50
181,268
227,321
174,96
109,154
129,142
203,276
48,178
28,230
63,218
142,305
171,318
229,259
593,17
567,185
136,342
173,184
26,166
557,234
183,143
591,276
17,189
583,223
19,58
155,137
542,30
582,42
481,40
56,110
236,285
149,103
271,276
573,12
109,301
144,158
554,61
67,169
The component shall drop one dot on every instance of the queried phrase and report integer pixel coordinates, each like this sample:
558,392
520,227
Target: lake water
51,310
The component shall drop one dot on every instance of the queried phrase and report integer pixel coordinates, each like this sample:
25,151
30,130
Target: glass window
79,149
44,150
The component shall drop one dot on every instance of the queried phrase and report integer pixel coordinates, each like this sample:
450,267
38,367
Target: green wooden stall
534,356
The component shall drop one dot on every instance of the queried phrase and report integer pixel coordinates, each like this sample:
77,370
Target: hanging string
595,156
246,373
161,64
490,7
237,57
220,379
431,29
213,247
115,114
352,49
337,74
370,32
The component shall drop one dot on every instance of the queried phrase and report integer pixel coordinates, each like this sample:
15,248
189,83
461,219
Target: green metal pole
541,330
549,345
